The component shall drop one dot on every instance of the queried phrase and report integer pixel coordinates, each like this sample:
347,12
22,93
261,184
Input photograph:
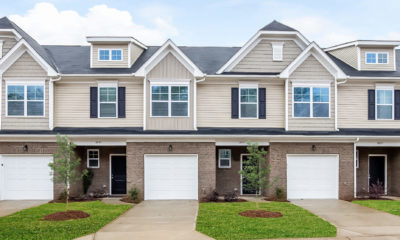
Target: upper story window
248,103
224,158
93,158
311,102
277,51
110,54
384,103
107,100
25,100
169,101
376,58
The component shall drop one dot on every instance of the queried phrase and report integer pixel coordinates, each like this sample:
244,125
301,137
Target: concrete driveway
155,220
11,206
354,221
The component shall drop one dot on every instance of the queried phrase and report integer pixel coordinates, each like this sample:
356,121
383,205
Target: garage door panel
312,176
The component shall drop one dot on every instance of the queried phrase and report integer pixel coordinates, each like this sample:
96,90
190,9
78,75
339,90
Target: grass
388,206
222,221
28,223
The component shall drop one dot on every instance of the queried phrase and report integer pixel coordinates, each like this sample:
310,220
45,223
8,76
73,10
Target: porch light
25,148
313,147
170,148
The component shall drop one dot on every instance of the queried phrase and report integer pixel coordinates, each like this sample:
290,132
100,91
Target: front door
118,174
377,170
246,187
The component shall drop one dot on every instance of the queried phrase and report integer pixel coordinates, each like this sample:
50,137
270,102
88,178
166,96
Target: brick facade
277,160
206,166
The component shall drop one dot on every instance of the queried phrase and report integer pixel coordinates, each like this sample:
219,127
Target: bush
231,196
134,195
87,180
212,196
63,196
376,190
279,193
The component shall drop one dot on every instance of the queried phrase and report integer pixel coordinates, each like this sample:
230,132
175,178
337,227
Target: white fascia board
13,31
104,39
239,143
364,43
161,53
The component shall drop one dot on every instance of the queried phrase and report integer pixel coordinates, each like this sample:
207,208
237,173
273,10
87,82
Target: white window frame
277,51
311,102
110,54
376,57
26,84
248,86
88,158
107,85
390,88
1,49
169,85
219,158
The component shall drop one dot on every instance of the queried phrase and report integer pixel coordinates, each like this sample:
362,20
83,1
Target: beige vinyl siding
214,104
169,68
347,55
25,66
259,59
135,53
381,67
353,106
8,43
311,69
23,123
109,64
72,104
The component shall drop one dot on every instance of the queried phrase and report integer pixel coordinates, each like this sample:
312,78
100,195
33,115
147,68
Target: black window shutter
121,102
235,103
93,102
371,104
262,97
397,104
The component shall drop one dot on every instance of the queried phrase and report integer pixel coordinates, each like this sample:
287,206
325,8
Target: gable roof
5,23
277,26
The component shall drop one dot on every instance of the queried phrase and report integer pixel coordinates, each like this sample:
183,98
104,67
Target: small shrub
376,190
279,193
134,195
63,196
231,196
212,196
87,180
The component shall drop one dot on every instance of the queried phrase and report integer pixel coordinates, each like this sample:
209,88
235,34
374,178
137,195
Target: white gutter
195,100
355,166
1,97
144,102
286,105
51,101
242,76
336,106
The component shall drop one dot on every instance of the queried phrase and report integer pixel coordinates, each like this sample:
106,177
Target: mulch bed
260,214
62,216
223,201
128,200
274,199
75,199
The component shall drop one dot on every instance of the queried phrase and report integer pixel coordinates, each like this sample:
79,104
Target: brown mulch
62,216
223,201
274,199
260,214
128,200
75,199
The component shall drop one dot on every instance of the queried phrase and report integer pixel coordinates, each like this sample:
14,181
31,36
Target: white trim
230,144
383,87
101,84
277,51
88,158
169,101
355,163
129,55
311,102
110,54
1,48
1,99
364,43
13,31
115,39
194,104
378,155
219,158
336,106
378,144
358,58
248,86
394,59
168,47
110,169
99,143
145,103
51,104
286,104
376,58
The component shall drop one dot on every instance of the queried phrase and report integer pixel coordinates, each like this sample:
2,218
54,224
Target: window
93,158
25,100
311,102
110,55
224,158
169,101
376,58
384,103
107,101
248,102
277,51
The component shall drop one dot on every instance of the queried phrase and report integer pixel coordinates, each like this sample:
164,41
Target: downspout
355,166
51,101
286,105
1,99
195,100
144,101
336,113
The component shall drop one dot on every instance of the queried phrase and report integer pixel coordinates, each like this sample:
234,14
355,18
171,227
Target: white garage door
312,176
170,177
25,177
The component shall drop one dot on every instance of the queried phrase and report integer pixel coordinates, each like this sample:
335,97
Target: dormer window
110,54
376,58
277,51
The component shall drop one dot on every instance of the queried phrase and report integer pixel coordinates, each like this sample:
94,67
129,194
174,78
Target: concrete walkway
354,221
154,220
11,206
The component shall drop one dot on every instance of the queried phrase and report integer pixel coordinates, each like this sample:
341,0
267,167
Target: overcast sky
204,22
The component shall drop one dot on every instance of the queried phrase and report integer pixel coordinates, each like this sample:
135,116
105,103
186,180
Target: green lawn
389,206
222,221
28,223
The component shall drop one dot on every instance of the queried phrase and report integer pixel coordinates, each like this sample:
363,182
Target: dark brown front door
118,174
377,170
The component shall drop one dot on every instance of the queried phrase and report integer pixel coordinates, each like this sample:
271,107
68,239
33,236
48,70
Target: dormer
367,55
114,52
8,39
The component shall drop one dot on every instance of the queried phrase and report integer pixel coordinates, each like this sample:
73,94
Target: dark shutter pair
262,95
371,104
94,102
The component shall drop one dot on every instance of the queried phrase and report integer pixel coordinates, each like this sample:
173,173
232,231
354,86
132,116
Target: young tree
65,164
255,170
